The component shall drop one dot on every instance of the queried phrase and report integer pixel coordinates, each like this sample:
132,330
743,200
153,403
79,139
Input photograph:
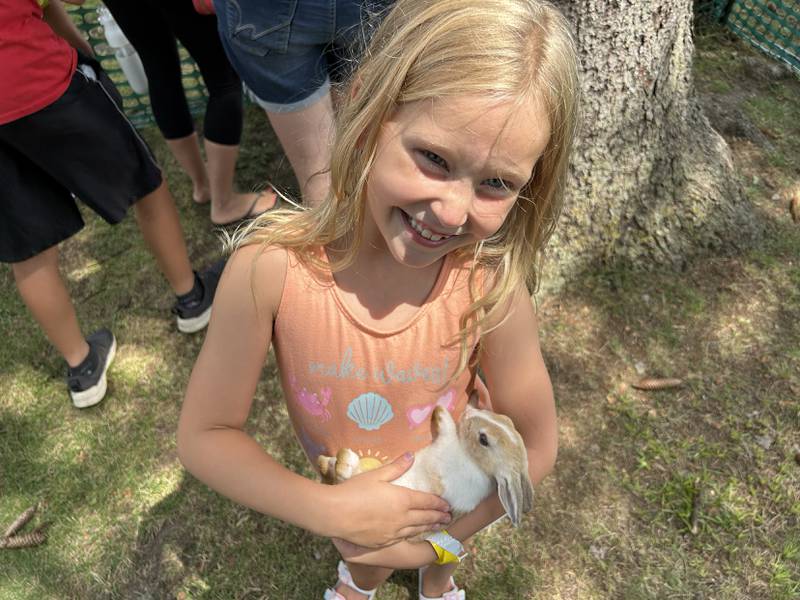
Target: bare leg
44,293
227,205
305,136
436,579
366,578
161,229
187,152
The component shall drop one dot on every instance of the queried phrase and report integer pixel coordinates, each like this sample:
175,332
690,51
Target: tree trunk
651,183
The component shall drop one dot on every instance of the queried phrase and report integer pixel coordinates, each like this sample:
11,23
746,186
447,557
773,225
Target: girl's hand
402,555
372,512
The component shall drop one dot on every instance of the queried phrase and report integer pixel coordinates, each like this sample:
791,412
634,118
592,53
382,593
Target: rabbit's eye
483,440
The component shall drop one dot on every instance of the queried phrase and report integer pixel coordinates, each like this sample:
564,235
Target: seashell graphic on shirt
370,411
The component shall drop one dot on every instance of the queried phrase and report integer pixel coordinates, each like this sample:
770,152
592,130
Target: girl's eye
434,158
496,183
483,439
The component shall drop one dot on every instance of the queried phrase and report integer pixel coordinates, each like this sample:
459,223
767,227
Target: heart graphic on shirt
418,414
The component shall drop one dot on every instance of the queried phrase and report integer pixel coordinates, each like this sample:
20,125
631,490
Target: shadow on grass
638,469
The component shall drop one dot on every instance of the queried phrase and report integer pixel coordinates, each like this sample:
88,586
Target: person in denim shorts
287,52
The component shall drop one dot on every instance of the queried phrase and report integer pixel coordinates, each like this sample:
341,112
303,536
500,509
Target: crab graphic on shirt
312,403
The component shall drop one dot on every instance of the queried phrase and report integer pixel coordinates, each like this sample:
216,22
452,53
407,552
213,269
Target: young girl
448,168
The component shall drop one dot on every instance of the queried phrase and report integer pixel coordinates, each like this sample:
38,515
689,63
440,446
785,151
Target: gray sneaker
193,310
87,382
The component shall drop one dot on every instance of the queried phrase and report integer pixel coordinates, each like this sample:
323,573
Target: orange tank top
350,385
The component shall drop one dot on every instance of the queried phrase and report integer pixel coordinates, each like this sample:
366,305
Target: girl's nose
452,209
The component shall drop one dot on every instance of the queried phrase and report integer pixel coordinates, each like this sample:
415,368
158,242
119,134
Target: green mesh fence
772,26
137,106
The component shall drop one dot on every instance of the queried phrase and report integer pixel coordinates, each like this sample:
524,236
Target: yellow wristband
444,556
448,549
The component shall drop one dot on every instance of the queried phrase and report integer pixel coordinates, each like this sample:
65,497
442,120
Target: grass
636,469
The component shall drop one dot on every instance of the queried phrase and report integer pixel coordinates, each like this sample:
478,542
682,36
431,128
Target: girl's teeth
426,233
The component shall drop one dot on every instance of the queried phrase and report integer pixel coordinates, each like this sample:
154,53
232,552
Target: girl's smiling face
447,173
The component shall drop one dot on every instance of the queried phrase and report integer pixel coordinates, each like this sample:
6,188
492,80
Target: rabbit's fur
464,463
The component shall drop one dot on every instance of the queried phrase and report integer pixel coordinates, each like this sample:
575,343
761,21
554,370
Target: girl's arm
520,388
56,16
214,447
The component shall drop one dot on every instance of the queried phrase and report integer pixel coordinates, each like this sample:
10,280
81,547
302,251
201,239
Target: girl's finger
426,501
394,469
426,518
410,532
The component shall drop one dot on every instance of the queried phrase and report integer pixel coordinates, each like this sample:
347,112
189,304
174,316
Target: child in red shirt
63,135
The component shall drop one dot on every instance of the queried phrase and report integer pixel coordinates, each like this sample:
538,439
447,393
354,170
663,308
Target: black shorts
81,145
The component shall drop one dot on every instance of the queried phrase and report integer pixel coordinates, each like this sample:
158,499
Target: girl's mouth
422,235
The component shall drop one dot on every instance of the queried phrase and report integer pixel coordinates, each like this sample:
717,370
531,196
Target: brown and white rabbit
464,464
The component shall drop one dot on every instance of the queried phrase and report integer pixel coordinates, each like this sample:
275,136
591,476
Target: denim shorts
288,51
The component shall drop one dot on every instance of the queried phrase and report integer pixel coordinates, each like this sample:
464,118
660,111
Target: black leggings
152,26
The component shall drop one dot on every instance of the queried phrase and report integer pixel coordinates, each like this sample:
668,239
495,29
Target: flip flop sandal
454,593
249,215
346,578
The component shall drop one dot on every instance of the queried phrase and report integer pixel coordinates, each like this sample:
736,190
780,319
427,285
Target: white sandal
455,592
346,578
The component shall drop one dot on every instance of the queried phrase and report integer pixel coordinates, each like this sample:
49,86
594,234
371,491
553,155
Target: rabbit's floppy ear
527,492
516,494
474,399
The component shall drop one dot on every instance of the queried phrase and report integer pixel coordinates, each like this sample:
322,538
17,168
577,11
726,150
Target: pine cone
20,522
26,540
652,383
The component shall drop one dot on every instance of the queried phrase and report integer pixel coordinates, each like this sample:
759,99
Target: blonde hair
517,51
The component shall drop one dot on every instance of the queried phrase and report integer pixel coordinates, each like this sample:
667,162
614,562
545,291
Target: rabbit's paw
346,465
327,468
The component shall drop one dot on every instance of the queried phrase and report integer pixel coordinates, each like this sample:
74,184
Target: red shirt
36,65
